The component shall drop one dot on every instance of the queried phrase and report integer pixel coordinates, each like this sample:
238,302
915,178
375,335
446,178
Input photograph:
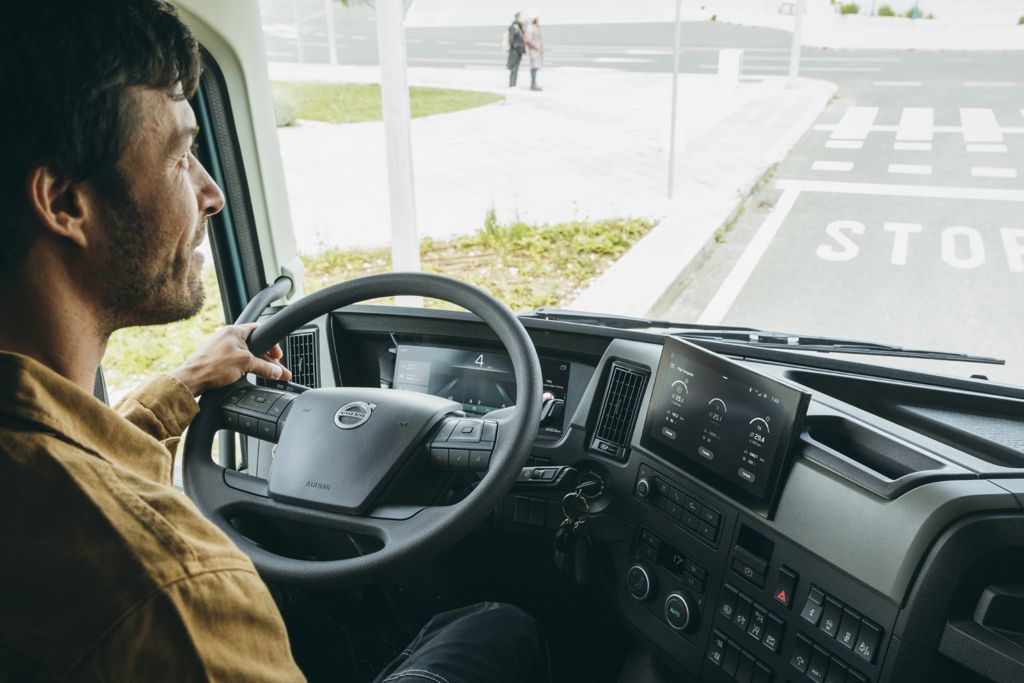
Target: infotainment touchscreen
480,380
726,424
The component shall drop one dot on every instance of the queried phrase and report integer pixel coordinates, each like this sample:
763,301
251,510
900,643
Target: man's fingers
275,352
269,369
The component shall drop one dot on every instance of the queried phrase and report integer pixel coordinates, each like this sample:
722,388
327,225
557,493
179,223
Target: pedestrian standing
516,47
535,47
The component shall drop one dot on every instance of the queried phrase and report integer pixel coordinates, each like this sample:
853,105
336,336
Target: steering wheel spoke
338,448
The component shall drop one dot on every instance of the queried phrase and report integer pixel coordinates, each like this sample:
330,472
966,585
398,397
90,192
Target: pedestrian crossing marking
912,146
916,124
989,172
855,124
980,125
910,169
832,166
844,144
976,147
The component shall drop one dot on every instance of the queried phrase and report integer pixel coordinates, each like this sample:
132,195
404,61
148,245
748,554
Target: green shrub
849,8
284,109
1020,22
886,11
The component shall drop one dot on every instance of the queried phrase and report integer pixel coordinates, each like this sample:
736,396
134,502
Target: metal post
394,91
298,29
794,47
915,14
332,47
675,96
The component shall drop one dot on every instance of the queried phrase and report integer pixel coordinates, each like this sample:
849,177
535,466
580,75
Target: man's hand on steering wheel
225,358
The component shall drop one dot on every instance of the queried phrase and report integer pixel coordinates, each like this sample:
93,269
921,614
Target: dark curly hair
65,70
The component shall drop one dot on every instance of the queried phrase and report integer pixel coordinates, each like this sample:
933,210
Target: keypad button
762,674
811,612
785,584
819,665
757,623
727,608
849,627
868,640
831,613
745,670
801,658
773,631
836,671
716,651
743,608
731,659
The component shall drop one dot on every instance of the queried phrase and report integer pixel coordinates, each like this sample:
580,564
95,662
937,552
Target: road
898,217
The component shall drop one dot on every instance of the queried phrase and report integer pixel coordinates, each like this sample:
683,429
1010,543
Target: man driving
108,573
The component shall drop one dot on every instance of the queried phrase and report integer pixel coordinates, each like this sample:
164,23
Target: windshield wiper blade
749,336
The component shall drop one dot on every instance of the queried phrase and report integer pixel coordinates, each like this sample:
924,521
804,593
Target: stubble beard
133,291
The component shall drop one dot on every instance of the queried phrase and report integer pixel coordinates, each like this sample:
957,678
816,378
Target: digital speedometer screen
724,422
481,381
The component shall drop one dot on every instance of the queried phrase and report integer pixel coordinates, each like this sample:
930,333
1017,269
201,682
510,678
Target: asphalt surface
898,217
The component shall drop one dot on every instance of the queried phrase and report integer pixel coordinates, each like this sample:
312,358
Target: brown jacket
106,572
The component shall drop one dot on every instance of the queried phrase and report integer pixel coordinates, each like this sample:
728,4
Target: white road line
911,169
804,60
912,146
855,124
990,84
622,60
648,52
1005,130
783,67
980,125
896,84
1001,149
726,295
832,166
991,172
916,124
894,190
844,144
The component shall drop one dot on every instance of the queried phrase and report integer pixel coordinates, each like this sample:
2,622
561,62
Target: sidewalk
593,145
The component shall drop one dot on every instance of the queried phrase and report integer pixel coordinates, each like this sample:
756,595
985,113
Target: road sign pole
675,97
394,90
794,47
332,46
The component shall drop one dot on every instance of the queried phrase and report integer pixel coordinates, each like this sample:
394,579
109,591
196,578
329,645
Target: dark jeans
514,57
488,641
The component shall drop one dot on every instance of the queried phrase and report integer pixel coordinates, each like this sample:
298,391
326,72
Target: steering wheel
338,449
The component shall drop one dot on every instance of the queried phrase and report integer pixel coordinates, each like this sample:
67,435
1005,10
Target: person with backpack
516,48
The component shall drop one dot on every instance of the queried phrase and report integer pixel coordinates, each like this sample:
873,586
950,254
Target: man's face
155,211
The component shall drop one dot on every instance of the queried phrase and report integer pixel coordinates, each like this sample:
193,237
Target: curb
651,275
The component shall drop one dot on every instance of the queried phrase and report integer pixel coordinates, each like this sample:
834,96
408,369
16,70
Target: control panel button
439,457
467,430
836,671
267,430
692,506
801,658
643,488
773,630
731,659
280,405
785,584
458,459
853,676
716,651
747,572
849,627
258,401
710,516
812,608
639,582
745,669
248,425
867,641
650,539
662,487
831,613
727,608
819,665
762,674
743,607
757,622
709,532
479,460
677,611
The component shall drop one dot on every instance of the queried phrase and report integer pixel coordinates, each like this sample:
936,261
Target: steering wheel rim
407,535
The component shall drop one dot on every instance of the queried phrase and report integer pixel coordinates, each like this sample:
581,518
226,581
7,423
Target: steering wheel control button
267,430
489,431
639,582
230,418
257,400
467,430
446,430
785,584
248,425
439,457
280,405
237,396
479,461
677,611
458,459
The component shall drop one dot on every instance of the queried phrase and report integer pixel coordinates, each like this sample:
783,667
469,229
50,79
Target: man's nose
211,199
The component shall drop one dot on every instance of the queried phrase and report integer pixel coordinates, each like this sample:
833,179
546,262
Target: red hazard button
785,584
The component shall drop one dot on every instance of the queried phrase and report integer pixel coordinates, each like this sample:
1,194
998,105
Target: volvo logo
354,414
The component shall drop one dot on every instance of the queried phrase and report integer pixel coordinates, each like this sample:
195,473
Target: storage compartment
874,450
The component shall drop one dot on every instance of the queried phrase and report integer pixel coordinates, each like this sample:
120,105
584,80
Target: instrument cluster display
722,421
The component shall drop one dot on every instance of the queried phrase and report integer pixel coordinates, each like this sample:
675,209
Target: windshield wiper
748,336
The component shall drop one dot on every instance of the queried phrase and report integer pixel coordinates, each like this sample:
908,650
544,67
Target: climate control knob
640,581
678,612
643,488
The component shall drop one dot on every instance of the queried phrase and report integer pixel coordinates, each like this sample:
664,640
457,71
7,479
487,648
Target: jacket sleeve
163,408
220,625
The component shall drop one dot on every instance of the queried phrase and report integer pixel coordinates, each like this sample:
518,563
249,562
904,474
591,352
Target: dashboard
767,517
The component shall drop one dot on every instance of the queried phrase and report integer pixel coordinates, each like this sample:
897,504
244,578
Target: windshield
850,171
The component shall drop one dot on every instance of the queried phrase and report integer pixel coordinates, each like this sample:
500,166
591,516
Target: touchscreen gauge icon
759,431
679,391
717,411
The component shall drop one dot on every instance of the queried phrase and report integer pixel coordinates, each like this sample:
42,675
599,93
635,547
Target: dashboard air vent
619,409
302,357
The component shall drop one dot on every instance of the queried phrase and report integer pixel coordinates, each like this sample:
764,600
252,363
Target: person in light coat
535,48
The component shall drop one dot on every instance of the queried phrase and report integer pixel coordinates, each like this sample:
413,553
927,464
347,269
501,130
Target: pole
794,47
298,29
675,97
915,13
332,47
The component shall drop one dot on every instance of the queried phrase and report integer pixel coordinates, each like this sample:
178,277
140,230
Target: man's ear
62,208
